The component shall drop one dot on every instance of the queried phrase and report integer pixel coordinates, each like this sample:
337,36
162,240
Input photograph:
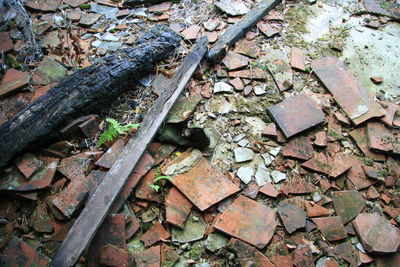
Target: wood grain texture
95,211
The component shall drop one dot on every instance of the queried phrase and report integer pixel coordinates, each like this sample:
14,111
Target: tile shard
248,254
348,204
346,89
331,227
177,207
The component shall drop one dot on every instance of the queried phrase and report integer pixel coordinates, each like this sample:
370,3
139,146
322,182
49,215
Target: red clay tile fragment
40,220
254,74
248,254
191,33
360,136
6,43
114,256
331,227
150,257
315,210
204,185
298,59
340,165
143,189
43,5
381,139
249,221
348,204
234,61
372,193
320,139
390,110
270,130
346,89
168,256
111,155
377,235
299,148
28,164
293,217
75,3
296,114
177,207
267,29
247,48
237,83
297,185
19,253
12,81
342,119
269,190
156,233
75,166
318,163
302,256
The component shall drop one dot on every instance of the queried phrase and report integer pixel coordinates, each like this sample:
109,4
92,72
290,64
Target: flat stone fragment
255,74
6,43
331,227
177,207
191,33
269,190
377,235
267,29
75,3
382,139
232,8
111,155
88,20
194,229
318,163
298,59
299,148
245,174
293,217
278,176
340,165
49,71
243,154
221,87
263,176
211,24
248,254
346,90
296,114
28,164
234,61
156,233
150,257
360,136
43,5
247,48
13,80
249,221
348,204
40,220
204,185
215,241
182,110
19,253
282,73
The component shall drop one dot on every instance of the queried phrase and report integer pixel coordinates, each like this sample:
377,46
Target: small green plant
158,177
114,128
84,6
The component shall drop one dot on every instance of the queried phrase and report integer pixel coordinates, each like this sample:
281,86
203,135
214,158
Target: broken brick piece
298,59
318,163
114,256
19,253
293,217
331,227
111,155
156,233
247,254
346,89
296,114
150,257
299,148
249,221
348,204
377,235
376,79
204,185
28,164
177,207
13,80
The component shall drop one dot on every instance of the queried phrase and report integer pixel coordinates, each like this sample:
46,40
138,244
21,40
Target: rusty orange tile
19,253
247,253
28,164
168,255
143,189
255,74
340,165
131,227
381,139
204,185
74,166
150,257
331,227
298,185
249,221
296,114
346,89
299,148
315,210
298,59
114,256
177,207
6,43
156,233
234,61
360,136
318,163
111,155
269,190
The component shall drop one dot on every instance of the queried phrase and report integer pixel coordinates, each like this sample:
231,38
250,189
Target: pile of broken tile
291,178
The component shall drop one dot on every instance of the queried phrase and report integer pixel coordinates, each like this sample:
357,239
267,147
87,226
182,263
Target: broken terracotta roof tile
74,166
237,83
247,48
315,210
340,165
297,185
254,74
376,234
156,233
298,59
331,227
381,139
234,61
342,118
320,139
19,253
40,220
13,80
293,217
282,73
348,204
177,207
346,89
143,189
360,136
390,112
296,114
6,43
111,155
300,148
191,33
204,185
334,129
168,255
302,256
318,163
75,3
43,5
270,130
150,257
268,29
269,190
115,257
28,164
132,226
247,254
249,221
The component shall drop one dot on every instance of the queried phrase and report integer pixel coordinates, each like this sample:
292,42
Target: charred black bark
133,3
86,91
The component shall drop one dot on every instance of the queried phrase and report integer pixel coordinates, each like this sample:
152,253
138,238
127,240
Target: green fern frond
166,177
154,187
114,128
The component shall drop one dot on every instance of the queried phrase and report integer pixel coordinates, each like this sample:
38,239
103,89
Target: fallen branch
86,91
95,211
238,30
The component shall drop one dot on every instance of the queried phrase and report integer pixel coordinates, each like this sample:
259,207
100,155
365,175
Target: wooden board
95,211
238,30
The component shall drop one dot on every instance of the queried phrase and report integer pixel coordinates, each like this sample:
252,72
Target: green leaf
114,128
166,177
154,187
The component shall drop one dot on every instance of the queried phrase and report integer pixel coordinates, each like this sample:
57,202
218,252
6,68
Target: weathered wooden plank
86,91
94,213
238,30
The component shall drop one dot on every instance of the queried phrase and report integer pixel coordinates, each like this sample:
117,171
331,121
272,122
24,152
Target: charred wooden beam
86,91
134,3
95,211
238,30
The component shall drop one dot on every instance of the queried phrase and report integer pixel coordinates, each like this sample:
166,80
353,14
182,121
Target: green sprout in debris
158,177
84,6
154,187
114,128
